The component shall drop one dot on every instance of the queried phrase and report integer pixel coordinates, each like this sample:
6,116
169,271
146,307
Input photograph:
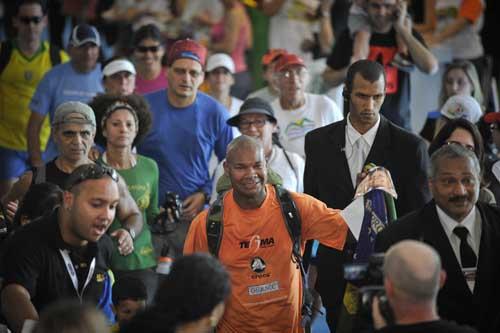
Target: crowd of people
148,182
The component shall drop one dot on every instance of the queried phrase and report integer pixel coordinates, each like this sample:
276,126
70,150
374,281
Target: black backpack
215,229
6,51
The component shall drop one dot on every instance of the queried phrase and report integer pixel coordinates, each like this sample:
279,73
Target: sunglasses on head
30,19
90,171
144,49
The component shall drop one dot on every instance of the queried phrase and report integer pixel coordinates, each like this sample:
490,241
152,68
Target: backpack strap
215,226
292,220
5,52
55,55
39,175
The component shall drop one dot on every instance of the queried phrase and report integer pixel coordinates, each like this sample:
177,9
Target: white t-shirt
318,111
292,178
236,103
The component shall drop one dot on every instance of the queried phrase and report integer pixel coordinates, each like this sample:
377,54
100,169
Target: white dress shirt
357,147
473,224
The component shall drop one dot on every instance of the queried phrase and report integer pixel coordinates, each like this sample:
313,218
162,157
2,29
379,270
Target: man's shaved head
243,142
414,268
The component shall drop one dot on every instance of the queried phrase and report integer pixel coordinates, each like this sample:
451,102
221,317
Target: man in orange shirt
256,247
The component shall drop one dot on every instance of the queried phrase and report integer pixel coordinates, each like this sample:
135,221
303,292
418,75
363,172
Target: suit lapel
434,234
343,175
484,267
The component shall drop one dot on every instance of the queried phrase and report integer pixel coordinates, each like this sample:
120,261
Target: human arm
320,222
338,61
270,7
196,239
420,55
130,218
16,193
325,27
232,25
17,306
469,12
34,127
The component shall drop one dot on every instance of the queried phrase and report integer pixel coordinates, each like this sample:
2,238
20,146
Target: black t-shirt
383,48
34,261
437,326
50,173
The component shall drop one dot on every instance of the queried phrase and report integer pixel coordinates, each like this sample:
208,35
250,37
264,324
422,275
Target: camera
166,221
369,279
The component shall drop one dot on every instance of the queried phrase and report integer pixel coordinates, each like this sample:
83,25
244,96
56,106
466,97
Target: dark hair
149,31
40,201
20,3
369,70
128,288
450,127
194,287
102,102
71,316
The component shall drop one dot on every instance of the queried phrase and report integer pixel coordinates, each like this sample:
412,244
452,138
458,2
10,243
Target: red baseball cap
287,60
187,48
492,117
271,55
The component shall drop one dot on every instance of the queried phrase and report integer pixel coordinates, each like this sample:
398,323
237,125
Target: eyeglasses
90,171
301,72
144,49
466,146
247,124
29,19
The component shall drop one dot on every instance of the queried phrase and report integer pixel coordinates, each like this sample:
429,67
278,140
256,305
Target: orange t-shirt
256,249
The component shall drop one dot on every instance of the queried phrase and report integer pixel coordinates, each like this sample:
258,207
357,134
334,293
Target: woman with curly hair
122,121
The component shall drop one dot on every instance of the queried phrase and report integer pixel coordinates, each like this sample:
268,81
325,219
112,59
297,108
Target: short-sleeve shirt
317,111
33,260
62,84
182,140
383,48
256,249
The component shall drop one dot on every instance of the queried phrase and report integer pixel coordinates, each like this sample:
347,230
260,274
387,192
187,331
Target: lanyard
72,273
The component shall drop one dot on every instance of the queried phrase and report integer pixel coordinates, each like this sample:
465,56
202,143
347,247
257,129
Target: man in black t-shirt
412,278
388,19
65,255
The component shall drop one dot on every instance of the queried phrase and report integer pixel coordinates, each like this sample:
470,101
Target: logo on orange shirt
258,265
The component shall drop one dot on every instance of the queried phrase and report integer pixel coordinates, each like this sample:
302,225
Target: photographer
412,278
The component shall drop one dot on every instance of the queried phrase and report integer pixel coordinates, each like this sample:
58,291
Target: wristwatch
131,232
206,195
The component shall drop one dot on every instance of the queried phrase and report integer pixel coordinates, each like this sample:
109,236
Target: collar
353,135
449,223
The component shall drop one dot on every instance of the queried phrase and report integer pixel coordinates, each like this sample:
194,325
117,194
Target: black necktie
467,255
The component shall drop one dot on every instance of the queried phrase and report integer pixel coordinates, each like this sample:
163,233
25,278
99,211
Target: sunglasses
30,19
90,171
144,49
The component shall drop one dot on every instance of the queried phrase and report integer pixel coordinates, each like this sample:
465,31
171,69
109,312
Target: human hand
94,154
11,210
378,321
192,205
125,241
402,22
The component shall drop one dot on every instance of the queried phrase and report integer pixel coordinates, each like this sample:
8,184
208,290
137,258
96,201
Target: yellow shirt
18,82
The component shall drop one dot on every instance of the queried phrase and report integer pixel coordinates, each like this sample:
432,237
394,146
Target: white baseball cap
118,65
462,106
220,60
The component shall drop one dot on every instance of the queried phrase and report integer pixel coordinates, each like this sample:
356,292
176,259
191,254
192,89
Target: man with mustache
65,254
464,232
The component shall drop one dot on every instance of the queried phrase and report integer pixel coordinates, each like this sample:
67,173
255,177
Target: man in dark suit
465,233
335,156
